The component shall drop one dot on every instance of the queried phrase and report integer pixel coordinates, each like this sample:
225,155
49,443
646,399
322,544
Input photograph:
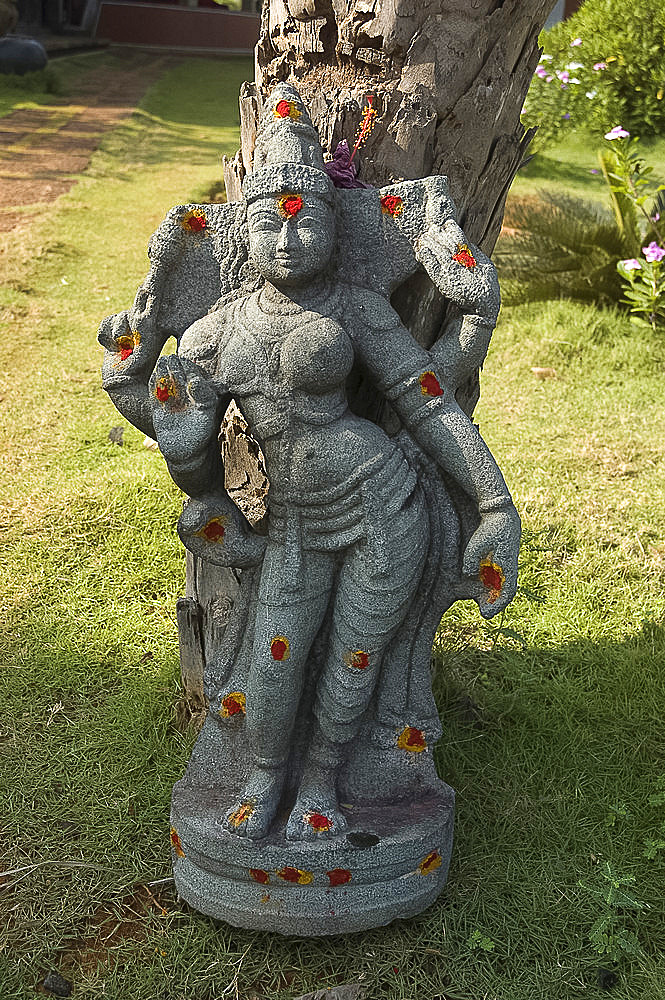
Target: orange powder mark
242,814
295,875
430,385
177,844
492,577
280,648
233,704
464,256
430,863
259,875
339,876
412,739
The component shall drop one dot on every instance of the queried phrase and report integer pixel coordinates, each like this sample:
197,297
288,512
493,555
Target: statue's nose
287,238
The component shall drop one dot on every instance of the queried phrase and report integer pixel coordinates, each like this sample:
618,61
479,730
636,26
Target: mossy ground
553,726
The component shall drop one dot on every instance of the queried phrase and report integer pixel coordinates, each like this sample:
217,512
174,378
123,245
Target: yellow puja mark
214,530
287,109
233,704
295,875
241,814
177,843
195,221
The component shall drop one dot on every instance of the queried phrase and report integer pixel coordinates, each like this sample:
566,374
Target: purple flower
566,116
600,65
594,171
632,264
341,171
549,79
653,252
541,72
617,133
655,217
563,75
576,41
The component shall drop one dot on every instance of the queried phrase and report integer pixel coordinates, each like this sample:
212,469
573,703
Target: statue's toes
297,827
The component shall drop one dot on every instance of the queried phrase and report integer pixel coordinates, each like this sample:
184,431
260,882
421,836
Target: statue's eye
266,224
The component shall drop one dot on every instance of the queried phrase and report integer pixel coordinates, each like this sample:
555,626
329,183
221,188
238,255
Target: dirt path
41,149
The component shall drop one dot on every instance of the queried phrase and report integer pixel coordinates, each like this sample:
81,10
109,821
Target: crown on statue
288,154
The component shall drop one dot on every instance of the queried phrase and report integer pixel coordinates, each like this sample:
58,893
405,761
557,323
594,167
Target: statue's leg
371,602
288,616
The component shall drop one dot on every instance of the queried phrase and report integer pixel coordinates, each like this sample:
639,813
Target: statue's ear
188,254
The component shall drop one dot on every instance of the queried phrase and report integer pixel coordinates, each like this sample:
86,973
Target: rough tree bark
449,79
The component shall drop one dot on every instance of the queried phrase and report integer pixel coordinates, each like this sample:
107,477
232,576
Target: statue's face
291,237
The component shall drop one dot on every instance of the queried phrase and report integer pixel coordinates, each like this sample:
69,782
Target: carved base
391,862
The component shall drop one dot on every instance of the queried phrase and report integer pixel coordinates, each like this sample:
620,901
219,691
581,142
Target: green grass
552,718
568,166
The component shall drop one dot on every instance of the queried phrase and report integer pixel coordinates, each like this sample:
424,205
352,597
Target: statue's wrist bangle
495,504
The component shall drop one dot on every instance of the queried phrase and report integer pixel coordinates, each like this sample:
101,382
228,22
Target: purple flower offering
342,172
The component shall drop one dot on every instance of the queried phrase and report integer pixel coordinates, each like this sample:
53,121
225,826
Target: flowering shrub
644,274
604,64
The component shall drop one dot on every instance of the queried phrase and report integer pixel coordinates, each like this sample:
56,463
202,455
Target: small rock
115,435
57,985
150,444
607,979
351,991
543,373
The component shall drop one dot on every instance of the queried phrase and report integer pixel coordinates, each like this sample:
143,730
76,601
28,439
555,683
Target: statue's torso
288,372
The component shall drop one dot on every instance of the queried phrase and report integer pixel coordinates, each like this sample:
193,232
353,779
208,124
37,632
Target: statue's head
290,198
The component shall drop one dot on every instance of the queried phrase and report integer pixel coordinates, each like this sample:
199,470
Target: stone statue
311,804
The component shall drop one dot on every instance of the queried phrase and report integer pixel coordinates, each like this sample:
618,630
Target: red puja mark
289,205
233,704
318,822
126,345
339,876
165,388
280,648
287,109
392,204
464,256
412,740
195,221
430,863
295,875
259,875
177,844
430,385
492,577
214,530
360,659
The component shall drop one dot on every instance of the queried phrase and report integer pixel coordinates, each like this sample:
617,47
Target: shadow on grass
543,745
551,170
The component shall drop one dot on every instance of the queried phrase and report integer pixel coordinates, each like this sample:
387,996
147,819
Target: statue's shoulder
370,308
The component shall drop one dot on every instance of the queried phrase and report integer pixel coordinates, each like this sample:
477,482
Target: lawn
553,734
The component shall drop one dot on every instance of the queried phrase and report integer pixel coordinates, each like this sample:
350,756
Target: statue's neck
287,299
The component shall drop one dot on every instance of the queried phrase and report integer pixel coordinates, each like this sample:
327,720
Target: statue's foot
256,806
316,812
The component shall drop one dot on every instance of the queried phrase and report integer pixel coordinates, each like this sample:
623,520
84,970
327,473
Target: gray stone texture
311,804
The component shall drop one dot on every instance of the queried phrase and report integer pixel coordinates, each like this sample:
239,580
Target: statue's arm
474,288
411,380
132,344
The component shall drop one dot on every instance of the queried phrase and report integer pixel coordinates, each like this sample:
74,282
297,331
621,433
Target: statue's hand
460,270
185,409
490,561
131,339
213,528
